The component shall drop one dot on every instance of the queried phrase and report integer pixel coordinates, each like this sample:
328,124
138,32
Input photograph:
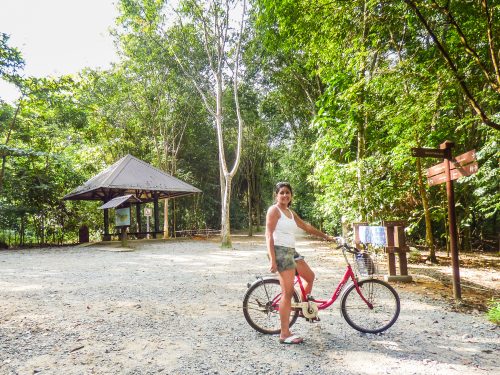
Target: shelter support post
157,215
124,236
165,219
138,218
107,236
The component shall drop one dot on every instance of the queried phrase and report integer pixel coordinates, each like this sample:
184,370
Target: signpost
449,170
431,153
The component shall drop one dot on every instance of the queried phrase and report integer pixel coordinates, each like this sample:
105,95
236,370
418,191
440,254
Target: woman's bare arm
272,218
310,229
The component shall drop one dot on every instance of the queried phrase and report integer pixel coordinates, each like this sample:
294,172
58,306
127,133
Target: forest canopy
328,95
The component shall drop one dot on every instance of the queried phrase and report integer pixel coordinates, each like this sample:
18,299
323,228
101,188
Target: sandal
293,339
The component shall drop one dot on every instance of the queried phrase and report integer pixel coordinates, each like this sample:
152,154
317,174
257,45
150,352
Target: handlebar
345,247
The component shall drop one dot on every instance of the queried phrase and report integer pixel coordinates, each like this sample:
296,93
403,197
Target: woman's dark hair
281,185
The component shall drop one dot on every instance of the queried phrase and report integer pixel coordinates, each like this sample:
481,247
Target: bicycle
368,305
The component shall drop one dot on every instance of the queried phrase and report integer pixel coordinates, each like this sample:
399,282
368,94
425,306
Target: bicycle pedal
313,320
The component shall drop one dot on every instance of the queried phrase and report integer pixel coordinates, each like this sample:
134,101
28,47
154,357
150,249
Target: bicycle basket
365,265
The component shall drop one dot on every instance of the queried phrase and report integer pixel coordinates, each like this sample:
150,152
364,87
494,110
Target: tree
10,58
10,62
482,51
212,23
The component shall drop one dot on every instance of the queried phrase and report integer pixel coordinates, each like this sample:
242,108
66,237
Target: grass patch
414,256
494,311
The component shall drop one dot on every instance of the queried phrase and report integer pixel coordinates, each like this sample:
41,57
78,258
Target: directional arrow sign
468,170
459,164
435,170
436,180
466,158
420,152
458,171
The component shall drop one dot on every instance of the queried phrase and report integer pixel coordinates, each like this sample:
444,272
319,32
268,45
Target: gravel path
175,308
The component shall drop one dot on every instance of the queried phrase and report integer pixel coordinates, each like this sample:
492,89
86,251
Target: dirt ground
479,279
174,307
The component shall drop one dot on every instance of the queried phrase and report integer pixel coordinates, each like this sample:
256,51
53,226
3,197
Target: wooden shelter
131,176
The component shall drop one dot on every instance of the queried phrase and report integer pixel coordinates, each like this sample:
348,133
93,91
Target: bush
494,311
414,256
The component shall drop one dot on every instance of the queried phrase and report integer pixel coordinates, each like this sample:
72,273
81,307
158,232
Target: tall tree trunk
361,126
429,239
42,229
226,222
249,200
21,231
360,154
215,30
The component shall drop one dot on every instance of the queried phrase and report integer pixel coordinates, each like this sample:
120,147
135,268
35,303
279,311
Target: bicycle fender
260,279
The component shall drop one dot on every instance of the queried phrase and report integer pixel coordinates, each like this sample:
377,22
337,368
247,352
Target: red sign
466,158
468,170
436,180
459,167
435,170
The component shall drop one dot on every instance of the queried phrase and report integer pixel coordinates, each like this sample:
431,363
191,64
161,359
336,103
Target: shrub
494,311
414,256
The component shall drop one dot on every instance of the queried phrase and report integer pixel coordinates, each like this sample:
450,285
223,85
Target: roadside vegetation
330,96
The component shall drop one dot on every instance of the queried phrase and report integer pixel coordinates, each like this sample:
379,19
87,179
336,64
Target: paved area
174,307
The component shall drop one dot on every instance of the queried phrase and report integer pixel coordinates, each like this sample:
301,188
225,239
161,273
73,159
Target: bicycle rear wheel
260,306
360,316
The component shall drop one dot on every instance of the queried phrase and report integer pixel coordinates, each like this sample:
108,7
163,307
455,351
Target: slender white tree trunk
216,32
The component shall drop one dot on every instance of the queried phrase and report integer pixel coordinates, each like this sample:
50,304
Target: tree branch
493,55
461,80
236,99
468,48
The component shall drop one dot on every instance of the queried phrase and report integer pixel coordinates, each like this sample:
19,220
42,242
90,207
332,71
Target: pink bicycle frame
323,304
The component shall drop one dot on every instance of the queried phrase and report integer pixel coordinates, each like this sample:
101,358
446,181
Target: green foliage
10,58
494,311
334,96
414,256
386,88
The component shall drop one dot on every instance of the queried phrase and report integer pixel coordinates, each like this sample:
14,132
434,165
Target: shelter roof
115,202
130,175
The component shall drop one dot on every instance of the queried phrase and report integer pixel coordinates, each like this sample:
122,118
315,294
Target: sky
58,37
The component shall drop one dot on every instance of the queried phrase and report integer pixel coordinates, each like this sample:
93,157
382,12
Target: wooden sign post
447,171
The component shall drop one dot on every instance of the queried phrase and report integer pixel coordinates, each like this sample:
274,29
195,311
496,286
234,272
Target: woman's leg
307,274
286,280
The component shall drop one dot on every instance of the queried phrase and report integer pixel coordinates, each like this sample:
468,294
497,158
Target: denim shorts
286,257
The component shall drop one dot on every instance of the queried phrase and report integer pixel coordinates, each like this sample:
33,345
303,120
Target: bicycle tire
258,306
385,311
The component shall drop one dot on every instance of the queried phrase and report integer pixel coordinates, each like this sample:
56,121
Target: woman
281,225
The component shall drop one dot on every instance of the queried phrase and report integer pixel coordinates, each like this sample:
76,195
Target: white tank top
284,234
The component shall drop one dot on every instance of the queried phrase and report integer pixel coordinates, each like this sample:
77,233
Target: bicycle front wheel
260,306
383,313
